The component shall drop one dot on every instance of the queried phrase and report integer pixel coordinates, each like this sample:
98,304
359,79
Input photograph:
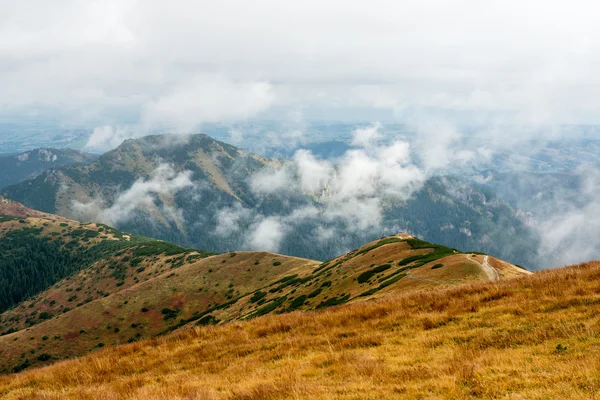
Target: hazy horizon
413,89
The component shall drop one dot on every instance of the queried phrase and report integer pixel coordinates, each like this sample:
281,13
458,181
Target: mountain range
29,164
202,193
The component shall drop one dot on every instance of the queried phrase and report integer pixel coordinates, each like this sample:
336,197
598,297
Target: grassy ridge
37,253
532,337
120,300
149,288
31,260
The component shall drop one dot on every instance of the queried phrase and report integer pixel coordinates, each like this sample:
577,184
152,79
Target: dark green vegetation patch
270,306
420,260
379,244
297,302
257,296
156,248
388,280
365,276
31,262
334,301
410,259
6,218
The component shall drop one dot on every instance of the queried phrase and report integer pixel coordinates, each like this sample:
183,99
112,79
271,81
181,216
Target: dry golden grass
109,320
108,311
492,340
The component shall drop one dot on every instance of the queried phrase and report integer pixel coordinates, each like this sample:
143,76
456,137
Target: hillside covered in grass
38,250
71,288
41,254
535,337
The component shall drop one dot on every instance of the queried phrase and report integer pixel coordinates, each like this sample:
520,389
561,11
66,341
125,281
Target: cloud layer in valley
569,219
351,190
163,183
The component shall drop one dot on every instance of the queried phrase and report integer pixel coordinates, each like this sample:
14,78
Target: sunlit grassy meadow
532,337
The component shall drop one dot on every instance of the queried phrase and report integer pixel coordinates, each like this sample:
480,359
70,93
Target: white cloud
266,234
359,214
376,169
228,219
314,174
398,176
534,58
324,234
364,137
350,190
164,182
236,137
356,175
107,137
271,180
207,99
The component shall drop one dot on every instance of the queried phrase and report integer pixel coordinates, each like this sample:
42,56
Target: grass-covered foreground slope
38,250
51,266
70,288
157,295
533,337
398,264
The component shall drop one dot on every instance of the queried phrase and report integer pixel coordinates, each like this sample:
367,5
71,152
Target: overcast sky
177,64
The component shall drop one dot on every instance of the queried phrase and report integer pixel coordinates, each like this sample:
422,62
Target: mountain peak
173,141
